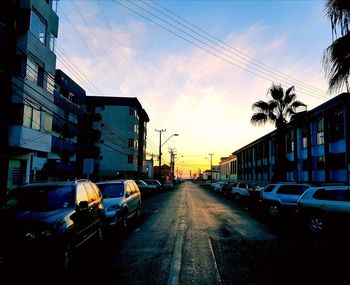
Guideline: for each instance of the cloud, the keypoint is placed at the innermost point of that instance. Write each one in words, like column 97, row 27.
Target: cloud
column 204, row 98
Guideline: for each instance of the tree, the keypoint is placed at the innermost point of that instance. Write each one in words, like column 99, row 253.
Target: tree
column 279, row 110
column 336, row 58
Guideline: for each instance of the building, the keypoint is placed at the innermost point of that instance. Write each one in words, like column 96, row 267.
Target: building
column 122, row 143
column 228, row 168
column 317, row 147
column 69, row 109
column 28, row 32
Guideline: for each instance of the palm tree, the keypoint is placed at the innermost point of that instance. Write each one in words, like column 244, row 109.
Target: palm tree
column 281, row 108
column 336, row 58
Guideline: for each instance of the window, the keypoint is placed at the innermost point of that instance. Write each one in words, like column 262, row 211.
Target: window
column 31, row 117
column 36, row 120
column 131, row 143
column 50, row 83
column 32, row 71
column 38, row 26
column 290, row 141
column 81, row 194
column 46, row 121
column 136, row 129
column 132, row 111
column 320, row 162
column 320, row 133
column 52, row 42
column 336, row 122
column 27, row 116
column 130, row 158
column 292, row 189
column 304, row 132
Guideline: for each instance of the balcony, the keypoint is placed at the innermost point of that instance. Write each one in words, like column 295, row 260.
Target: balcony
column 60, row 146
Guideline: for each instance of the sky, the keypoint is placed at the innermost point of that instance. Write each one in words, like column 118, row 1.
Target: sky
column 196, row 67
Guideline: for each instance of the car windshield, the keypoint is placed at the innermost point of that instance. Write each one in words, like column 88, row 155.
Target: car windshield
column 41, row 198
column 111, row 190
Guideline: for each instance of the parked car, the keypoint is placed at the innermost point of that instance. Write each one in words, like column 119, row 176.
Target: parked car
column 51, row 218
column 240, row 191
column 324, row 207
column 282, row 197
column 145, row 188
column 226, row 187
column 168, row 185
column 121, row 200
column 155, row 183
column 216, row 186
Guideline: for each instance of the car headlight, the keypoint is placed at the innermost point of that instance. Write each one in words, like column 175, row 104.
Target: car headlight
column 113, row 208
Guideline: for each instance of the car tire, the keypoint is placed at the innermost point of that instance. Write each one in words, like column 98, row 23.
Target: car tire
column 274, row 210
column 237, row 197
column 317, row 224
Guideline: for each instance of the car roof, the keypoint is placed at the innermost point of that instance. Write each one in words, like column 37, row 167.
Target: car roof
column 54, row 183
column 113, row 181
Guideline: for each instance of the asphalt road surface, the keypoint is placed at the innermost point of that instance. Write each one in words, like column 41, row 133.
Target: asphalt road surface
column 192, row 235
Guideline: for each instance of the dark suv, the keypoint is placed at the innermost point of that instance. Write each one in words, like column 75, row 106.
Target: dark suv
column 52, row 218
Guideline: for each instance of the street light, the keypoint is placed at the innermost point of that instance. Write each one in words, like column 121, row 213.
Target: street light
column 160, row 147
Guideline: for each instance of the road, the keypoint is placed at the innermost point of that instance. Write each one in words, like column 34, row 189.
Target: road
column 193, row 235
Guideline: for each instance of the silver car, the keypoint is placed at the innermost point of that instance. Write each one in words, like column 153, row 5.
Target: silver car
column 282, row 196
column 121, row 200
column 325, row 206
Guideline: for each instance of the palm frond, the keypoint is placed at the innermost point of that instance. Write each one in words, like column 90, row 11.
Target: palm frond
column 259, row 119
column 336, row 62
column 276, row 92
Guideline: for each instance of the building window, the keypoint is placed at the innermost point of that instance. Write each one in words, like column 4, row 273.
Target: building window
column 32, row 71
column 131, row 143
column 52, row 42
column 336, row 122
column 136, row 129
column 31, row 117
column 132, row 111
column 27, row 116
column 320, row 133
column 320, row 162
column 50, row 83
column 130, row 159
column 304, row 132
column 46, row 121
column 290, row 141
column 38, row 26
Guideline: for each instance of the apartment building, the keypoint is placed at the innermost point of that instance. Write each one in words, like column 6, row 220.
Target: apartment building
column 122, row 143
column 28, row 32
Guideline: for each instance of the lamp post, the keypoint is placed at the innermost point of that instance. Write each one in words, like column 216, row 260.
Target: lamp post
column 160, row 147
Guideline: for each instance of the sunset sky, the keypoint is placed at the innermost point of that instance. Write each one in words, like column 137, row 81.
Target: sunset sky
column 196, row 66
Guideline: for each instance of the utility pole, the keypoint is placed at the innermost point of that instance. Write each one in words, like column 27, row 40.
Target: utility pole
column 160, row 150
column 211, row 165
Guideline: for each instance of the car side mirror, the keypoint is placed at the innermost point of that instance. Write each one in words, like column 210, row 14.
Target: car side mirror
column 83, row 205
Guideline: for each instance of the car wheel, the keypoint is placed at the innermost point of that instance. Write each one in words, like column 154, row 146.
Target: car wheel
column 237, row 197
column 317, row 224
column 274, row 210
